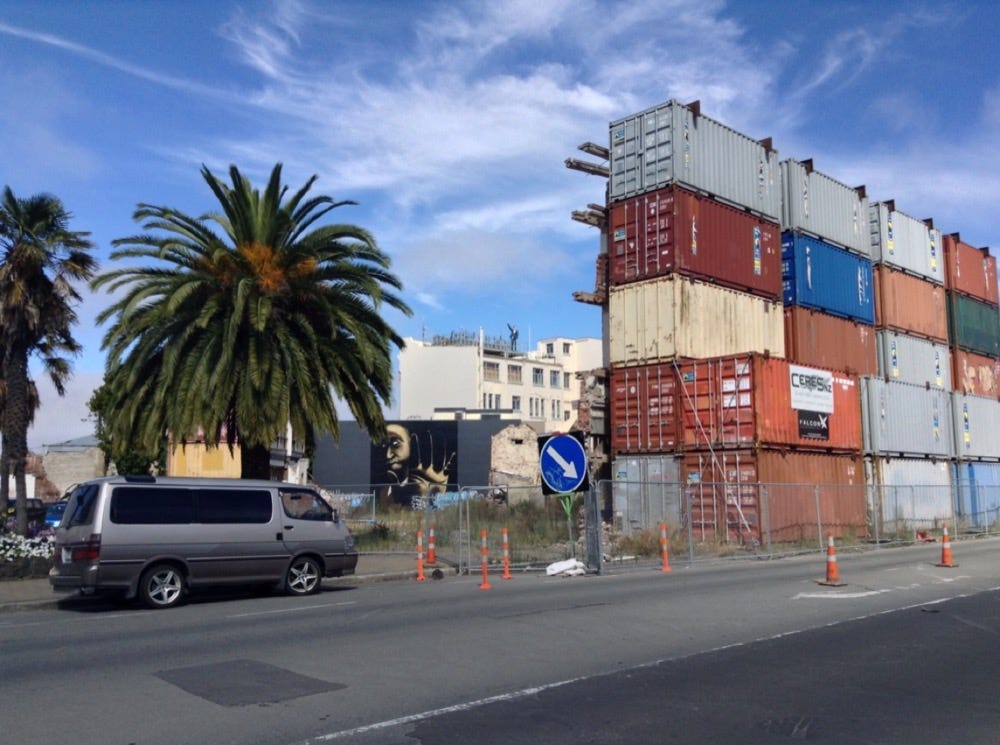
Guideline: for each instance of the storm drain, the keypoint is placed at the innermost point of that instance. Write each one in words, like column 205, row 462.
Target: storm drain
column 244, row 683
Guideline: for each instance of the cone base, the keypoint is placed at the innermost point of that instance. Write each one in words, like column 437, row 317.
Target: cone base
column 828, row 583
column 947, row 566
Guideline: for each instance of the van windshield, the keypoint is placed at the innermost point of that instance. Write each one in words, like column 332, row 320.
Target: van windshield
column 80, row 510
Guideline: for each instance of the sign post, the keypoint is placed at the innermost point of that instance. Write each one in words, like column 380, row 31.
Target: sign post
column 563, row 463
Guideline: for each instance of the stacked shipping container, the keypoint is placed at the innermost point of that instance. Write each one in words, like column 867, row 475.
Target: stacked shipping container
column 705, row 344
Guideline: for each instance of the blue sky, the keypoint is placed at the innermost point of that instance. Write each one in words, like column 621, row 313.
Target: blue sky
column 449, row 123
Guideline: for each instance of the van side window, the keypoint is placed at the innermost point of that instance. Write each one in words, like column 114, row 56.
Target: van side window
column 303, row 504
column 234, row 506
column 81, row 505
column 136, row 505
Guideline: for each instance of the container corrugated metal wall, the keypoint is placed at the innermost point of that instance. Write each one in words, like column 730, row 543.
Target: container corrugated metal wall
column 673, row 230
column 672, row 144
column 977, row 427
column 909, row 493
column 970, row 270
column 716, row 483
column 672, row 317
column 818, row 275
column 977, row 486
column 817, row 204
column 975, row 373
column 974, row 325
column 643, row 409
column 750, row 400
column 911, row 359
column 910, row 304
column 820, row 339
column 645, row 490
column 903, row 419
column 905, row 243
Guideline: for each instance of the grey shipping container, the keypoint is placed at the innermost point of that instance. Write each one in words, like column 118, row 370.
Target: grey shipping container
column 673, row 144
column 675, row 317
column 646, row 491
column 906, row 243
column 823, row 207
column 907, row 494
column 973, row 325
column 977, row 489
column 977, row 427
column 910, row 359
column 904, row 419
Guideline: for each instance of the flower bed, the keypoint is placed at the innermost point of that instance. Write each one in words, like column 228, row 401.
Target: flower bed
column 25, row 558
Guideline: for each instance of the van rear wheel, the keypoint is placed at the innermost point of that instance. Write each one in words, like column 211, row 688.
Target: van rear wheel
column 161, row 586
column 303, row 576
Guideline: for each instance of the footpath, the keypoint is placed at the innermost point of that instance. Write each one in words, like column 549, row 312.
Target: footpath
column 34, row 594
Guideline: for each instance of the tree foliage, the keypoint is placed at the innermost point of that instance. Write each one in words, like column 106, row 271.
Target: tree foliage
column 238, row 322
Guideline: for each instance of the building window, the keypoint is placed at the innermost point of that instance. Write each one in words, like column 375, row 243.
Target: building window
column 554, row 378
column 514, row 374
column 537, row 376
column 565, row 416
column 496, row 402
column 566, row 347
column 556, row 409
column 491, row 371
column 566, row 380
column 550, row 348
column 515, row 403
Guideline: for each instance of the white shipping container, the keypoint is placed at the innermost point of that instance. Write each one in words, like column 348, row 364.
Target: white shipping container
column 904, row 419
column 976, row 426
column 823, row 207
column 907, row 494
column 674, row 144
column 905, row 242
column 911, row 359
column 646, row 491
column 675, row 317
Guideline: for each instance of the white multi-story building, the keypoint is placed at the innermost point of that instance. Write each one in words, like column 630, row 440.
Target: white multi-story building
column 470, row 375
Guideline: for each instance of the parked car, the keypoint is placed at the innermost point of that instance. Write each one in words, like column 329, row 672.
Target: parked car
column 54, row 513
column 36, row 509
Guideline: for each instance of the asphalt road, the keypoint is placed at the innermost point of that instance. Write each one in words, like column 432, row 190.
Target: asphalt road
column 727, row 653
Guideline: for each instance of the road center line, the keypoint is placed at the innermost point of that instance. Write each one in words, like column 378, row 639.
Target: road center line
column 291, row 610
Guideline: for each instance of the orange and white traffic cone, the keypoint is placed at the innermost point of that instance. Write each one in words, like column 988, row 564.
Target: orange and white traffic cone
column 664, row 553
column 506, row 556
column 420, row 556
column 832, row 570
column 485, row 584
column 946, row 560
column 431, row 548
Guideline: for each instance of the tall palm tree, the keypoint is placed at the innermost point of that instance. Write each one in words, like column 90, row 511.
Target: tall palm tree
column 250, row 319
column 40, row 259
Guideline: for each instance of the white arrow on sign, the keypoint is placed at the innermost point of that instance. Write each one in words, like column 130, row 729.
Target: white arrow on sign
column 569, row 468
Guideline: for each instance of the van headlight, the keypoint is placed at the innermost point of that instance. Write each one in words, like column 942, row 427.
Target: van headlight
column 349, row 542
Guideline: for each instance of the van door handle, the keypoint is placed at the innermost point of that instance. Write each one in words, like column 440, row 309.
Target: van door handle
column 289, row 527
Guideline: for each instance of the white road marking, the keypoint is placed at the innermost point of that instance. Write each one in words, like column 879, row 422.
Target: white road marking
column 290, row 610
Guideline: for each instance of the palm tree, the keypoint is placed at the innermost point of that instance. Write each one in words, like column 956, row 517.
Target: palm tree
column 251, row 319
column 40, row 258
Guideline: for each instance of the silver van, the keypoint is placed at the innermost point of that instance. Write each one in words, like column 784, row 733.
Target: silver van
column 155, row 538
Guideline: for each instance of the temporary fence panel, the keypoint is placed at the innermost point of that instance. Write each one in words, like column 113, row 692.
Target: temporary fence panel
column 674, row 144
column 973, row 325
column 645, row 492
column 643, row 409
column 724, row 496
column 908, row 494
column 911, row 359
column 817, row 204
column 672, row 317
column 673, row 230
column 910, row 304
column 977, row 488
column 903, row 419
column 975, row 373
column 813, row 337
column 818, row 275
column 746, row 400
column 976, row 426
column 905, row 243
column 970, row 270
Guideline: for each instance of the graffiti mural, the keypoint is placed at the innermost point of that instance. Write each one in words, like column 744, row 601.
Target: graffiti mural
column 416, row 461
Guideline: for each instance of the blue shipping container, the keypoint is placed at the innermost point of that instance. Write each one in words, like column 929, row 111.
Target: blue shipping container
column 978, row 492
column 818, row 275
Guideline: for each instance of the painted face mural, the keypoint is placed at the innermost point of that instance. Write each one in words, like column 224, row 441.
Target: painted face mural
column 414, row 462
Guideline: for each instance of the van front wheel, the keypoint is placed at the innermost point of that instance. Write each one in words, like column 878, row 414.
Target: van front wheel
column 303, row 576
column 161, row 586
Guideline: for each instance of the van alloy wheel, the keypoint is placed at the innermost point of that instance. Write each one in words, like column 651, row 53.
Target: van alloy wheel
column 161, row 586
column 303, row 576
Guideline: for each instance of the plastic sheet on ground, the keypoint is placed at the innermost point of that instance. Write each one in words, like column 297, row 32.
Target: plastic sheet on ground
column 567, row 568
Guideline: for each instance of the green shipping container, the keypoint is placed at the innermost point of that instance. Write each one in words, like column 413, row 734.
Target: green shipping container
column 973, row 325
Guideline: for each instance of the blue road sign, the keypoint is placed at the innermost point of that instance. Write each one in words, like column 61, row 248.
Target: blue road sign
column 563, row 462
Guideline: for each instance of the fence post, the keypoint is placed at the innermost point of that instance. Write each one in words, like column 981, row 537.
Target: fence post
column 819, row 516
column 766, row 513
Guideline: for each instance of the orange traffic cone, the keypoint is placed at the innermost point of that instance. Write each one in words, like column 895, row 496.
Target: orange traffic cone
column 420, row 556
column 946, row 560
column 665, row 566
column 832, row 570
column 431, row 547
column 506, row 556
column 485, row 584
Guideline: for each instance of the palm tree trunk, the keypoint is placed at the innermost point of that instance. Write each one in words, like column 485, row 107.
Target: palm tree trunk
column 15, row 431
